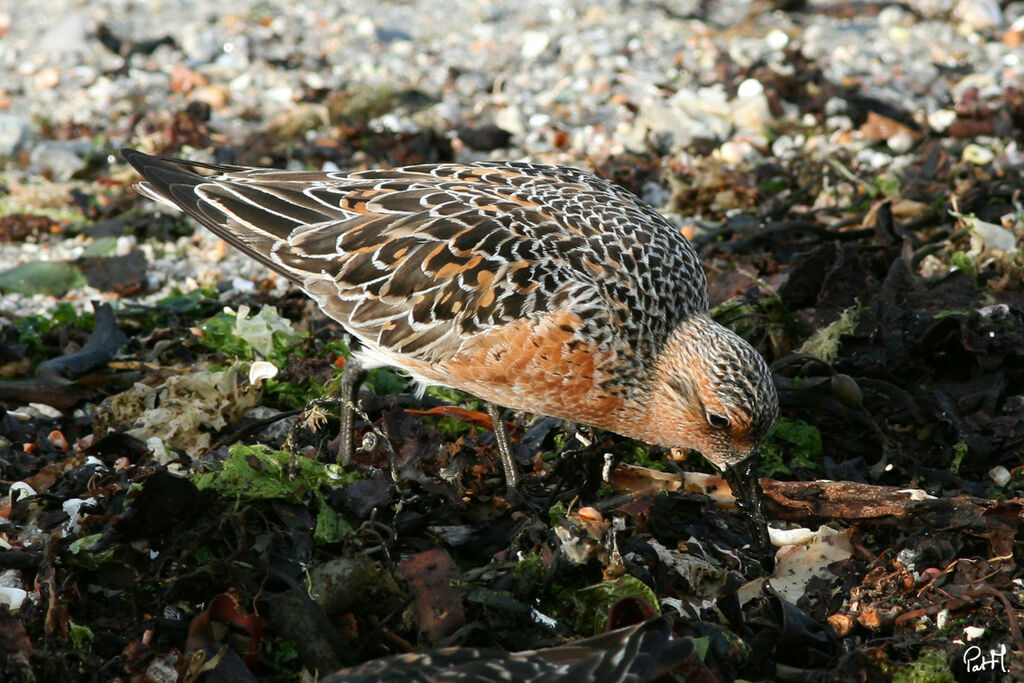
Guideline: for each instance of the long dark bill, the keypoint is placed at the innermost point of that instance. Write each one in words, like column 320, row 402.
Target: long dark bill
column 746, row 486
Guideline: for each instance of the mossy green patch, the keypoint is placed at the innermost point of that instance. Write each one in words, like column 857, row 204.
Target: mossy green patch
column 84, row 552
column 193, row 302
column 792, row 444
column 963, row 261
column 219, row 335
column 239, row 336
column 641, row 457
column 295, row 394
column 959, row 453
column 259, row 473
column 931, row 667
column 81, row 636
column 824, row 343
column 593, row 603
column 529, row 573
column 32, row 328
column 556, row 512
column 384, row 382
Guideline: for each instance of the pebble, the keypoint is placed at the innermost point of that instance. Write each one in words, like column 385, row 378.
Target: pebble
column 534, row 44
column 979, row 15
column 215, row 95
column 900, row 142
column 202, row 46
column 15, row 133
column 941, row 119
column 47, row 78
column 67, row 36
column 185, row 80
column 45, row 411
column 999, row 475
column 973, row 632
column 56, row 158
column 13, row 598
column 985, row 235
column 976, row 154
column 777, row 39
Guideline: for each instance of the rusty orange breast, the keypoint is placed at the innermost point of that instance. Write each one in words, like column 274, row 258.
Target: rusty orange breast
column 537, row 365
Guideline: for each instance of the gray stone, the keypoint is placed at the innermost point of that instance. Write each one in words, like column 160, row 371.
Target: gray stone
column 70, row 35
column 15, row 134
column 60, row 159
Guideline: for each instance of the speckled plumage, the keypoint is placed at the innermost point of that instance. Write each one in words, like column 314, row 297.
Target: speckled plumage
column 643, row 652
column 540, row 288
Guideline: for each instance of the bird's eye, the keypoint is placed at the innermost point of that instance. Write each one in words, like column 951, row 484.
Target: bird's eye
column 718, row 421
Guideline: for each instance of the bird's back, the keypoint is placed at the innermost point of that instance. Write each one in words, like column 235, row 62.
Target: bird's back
column 418, row 260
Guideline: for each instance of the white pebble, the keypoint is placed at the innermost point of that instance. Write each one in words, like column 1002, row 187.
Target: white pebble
column 900, row 142
column 14, row 598
column 999, row 475
column 534, row 44
column 750, row 88
column 776, row 39
column 973, row 632
column 976, row 154
column 941, row 119
column 261, row 370
column 979, row 15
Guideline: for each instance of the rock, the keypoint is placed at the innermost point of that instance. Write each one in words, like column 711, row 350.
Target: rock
column 777, row 39
column 70, row 35
column 56, row 158
column 941, row 119
column 1014, row 36
column 976, row 154
column 125, row 275
column 900, row 142
column 511, row 118
column 703, row 114
column 391, row 34
column 15, row 134
column 534, row 44
column 215, row 95
column 361, row 104
column 985, row 235
column 298, row 120
column 47, row 78
column 880, row 127
column 750, row 112
column 52, row 278
column 484, row 138
column 979, row 15
column 185, row 80
column 202, row 47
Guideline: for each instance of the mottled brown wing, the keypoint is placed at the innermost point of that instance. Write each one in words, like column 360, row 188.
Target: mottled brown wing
column 412, row 260
column 418, row 270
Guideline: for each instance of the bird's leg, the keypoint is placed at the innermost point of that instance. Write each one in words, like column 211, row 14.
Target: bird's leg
column 746, row 486
column 508, row 463
column 352, row 376
column 571, row 430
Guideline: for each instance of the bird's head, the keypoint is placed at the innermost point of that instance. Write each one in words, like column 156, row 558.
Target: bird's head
column 713, row 393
